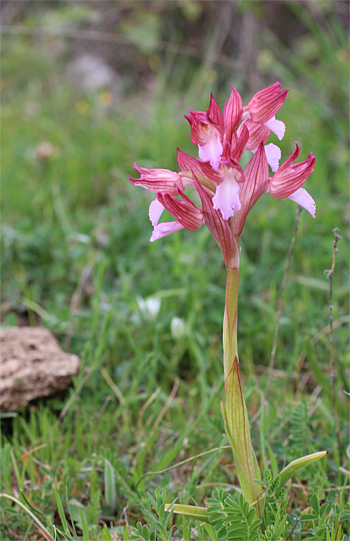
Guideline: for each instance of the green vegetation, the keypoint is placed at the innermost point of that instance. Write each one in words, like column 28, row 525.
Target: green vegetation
column 73, row 224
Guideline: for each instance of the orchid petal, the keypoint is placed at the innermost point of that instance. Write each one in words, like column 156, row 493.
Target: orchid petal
column 196, row 120
column 155, row 211
column 256, row 183
column 303, row 198
column 215, row 116
column 238, row 146
column 183, row 210
column 226, row 198
column 157, row 180
column 188, row 163
column 211, row 151
column 277, row 126
column 291, row 176
column 233, row 112
column 258, row 133
column 273, row 156
column 266, row 103
column 164, row 229
column 289, row 161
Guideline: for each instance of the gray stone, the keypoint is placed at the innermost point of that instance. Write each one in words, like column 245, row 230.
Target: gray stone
column 32, row 365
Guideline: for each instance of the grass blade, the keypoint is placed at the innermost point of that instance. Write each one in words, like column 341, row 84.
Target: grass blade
column 86, row 535
column 70, row 513
column 22, row 495
column 66, row 535
column 61, row 510
column 36, row 520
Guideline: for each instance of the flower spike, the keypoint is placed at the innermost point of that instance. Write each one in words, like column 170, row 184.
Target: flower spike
column 227, row 194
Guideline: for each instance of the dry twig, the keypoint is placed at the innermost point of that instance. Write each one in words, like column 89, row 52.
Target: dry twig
column 330, row 274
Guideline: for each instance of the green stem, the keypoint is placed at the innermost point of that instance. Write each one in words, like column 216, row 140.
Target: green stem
column 230, row 320
column 235, row 412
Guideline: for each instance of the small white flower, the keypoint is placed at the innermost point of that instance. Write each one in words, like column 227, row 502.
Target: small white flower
column 149, row 308
column 177, row 328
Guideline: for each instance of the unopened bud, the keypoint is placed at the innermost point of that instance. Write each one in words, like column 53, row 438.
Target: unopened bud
column 149, row 308
column 177, row 328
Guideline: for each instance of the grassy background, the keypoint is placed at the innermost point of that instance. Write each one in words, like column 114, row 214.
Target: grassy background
column 75, row 214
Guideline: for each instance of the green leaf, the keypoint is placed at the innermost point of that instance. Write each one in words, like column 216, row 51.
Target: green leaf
column 168, row 457
column 186, row 533
column 125, row 536
column 215, row 517
column 237, row 429
column 280, row 528
column 145, row 533
column 210, row 531
column 299, row 464
column 315, row 504
column 86, row 535
column 308, row 517
column 197, row 513
column 106, row 536
column 323, row 508
column 61, row 510
column 273, row 460
column 110, row 490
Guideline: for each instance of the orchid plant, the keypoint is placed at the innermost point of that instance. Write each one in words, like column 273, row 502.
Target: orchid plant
column 227, row 194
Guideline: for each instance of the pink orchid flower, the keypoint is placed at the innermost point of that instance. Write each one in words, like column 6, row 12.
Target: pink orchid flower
column 228, row 192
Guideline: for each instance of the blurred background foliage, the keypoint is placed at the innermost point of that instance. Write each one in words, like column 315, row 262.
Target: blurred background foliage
column 90, row 87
